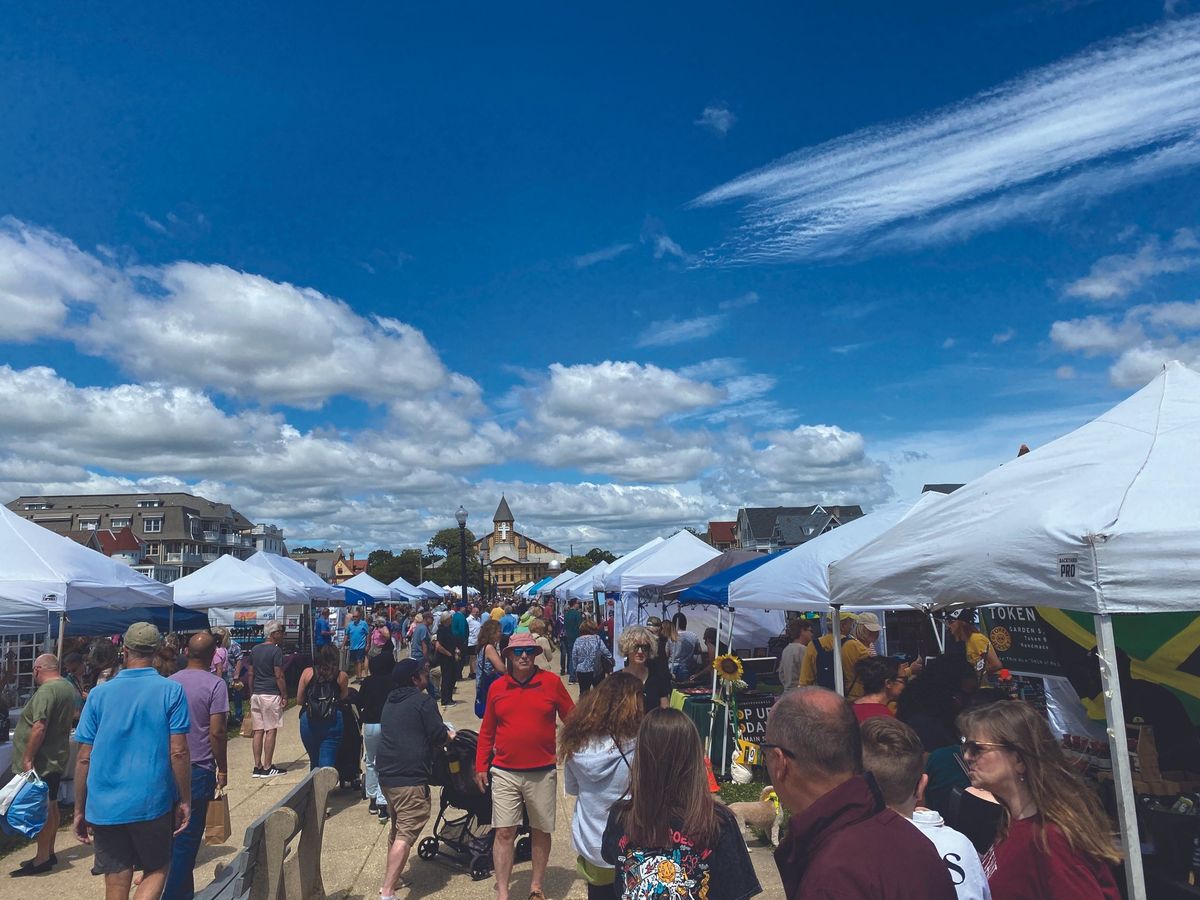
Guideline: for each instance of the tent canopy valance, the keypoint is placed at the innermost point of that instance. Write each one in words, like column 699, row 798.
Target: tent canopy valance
column 230, row 583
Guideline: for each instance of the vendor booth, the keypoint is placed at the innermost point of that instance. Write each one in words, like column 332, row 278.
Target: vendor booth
column 1104, row 521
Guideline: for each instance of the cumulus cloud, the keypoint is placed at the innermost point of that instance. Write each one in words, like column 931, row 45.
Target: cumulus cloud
column 1003, row 337
column 1141, row 339
column 621, row 393
column 1115, row 277
column 1117, row 114
column 668, row 332
column 716, row 118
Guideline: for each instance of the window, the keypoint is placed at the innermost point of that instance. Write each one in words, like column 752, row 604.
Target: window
column 152, row 548
column 88, row 524
column 37, row 506
column 152, row 525
column 149, row 504
column 119, row 522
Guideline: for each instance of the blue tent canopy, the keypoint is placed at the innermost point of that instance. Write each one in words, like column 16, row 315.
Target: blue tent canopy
column 96, row 621
column 532, row 592
column 714, row 590
column 357, row 598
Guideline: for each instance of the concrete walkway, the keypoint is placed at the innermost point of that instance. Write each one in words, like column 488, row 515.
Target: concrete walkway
column 355, row 844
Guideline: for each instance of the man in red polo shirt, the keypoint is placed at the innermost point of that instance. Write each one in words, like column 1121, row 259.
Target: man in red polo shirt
column 517, row 749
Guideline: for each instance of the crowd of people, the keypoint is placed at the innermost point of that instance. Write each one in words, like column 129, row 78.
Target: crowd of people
column 920, row 782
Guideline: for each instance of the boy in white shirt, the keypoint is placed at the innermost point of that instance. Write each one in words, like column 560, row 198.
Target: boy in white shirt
column 893, row 754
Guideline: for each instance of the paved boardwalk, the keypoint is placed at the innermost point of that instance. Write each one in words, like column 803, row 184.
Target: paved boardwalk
column 355, row 843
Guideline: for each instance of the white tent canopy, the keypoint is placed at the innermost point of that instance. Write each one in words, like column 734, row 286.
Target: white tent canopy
column 610, row 578
column 580, row 587
column 1104, row 520
column 431, row 589
column 799, row 579
column 457, row 591
column 283, row 567
column 230, row 583
column 677, row 555
column 42, row 572
column 409, row 590
column 373, row 588
column 561, row 579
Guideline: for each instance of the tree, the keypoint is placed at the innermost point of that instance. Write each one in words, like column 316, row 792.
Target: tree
column 578, row 564
column 301, row 551
column 447, row 545
column 596, row 555
column 446, row 542
column 384, row 565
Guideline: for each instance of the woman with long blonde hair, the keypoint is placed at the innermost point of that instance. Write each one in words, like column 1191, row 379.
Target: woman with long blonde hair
column 671, row 838
column 1053, row 840
column 596, row 748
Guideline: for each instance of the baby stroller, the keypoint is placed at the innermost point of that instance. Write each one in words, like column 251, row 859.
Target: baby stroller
column 465, row 812
column 349, row 753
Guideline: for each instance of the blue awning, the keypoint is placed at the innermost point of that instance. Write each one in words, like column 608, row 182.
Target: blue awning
column 97, row 621
column 357, row 598
column 714, row 590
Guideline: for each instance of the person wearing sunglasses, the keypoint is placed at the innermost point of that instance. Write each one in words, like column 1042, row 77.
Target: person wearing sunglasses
column 639, row 645
column 1054, row 838
column 516, row 751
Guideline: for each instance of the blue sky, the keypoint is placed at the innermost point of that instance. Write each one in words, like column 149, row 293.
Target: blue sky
column 635, row 267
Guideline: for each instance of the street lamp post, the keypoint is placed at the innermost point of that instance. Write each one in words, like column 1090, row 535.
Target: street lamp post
column 461, row 516
column 483, row 578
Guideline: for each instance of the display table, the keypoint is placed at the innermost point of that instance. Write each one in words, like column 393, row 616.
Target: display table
column 66, row 790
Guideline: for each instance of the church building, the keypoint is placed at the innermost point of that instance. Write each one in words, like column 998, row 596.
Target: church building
column 511, row 558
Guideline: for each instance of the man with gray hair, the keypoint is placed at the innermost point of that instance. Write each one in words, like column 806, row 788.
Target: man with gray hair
column 839, row 819
column 133, row 743
column 268, row 696
column 41, row 743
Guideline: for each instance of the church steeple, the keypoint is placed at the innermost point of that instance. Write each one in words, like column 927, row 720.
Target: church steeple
column 503, row 513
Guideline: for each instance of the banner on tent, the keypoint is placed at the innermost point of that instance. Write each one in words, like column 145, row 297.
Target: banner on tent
column 1020, row 639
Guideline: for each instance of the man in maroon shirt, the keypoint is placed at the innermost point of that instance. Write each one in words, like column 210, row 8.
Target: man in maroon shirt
column 517, row 749
column 843, row 842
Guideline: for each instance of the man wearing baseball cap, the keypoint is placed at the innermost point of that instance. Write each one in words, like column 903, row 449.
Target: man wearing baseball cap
column 980, row 653
column 816, row 667
column 517, row 748
column 133, row 742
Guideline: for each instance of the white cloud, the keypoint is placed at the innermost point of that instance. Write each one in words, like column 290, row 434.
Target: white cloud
column 1140, row 340
column 41, row 274
column 747, row 299
column 717, row 118
column 1128, row 109
column 209, row 326
column 1003, row 337
column 620, row 394
column 1065, row 373
column 153, row 224
column 948, row 343
column 669, row 332
column 604, row 254
column 1115, row 277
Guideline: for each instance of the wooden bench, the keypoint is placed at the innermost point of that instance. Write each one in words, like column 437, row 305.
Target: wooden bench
column 265, row 869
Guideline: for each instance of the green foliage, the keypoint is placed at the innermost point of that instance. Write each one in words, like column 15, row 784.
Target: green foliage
column 741, row 793
column 578, row 564
column 596, row 555
column 304, row 551
column 447, row 542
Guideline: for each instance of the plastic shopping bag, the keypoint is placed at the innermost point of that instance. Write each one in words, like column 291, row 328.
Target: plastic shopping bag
column 26, row 814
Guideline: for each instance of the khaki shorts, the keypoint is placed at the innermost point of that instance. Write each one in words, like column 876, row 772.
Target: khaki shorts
column 534, row 792
column 409, row 808
column 266, row 712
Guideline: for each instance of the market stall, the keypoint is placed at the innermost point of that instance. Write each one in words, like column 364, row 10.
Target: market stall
column 1103, row 521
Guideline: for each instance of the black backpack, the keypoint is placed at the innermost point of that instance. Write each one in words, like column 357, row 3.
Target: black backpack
column 321, row 699
column 825, row 662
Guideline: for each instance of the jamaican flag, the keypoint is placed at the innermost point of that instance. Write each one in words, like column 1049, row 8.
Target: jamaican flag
column 1163, row 648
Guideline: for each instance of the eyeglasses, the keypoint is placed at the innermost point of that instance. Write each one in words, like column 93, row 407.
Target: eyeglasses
column 524, row 651
column 784, row 750
column 642, row 648
column 972, row 749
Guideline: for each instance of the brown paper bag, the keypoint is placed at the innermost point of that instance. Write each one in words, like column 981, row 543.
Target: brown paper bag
column 247, row 727
column 217, row 827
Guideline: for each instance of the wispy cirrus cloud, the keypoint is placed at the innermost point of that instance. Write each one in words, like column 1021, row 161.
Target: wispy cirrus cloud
column 604, row 254
column 1115, row 115
column 668, row 332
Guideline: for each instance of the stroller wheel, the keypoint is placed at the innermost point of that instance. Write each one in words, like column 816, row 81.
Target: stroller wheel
column 481, row 867
column 524, row 848
column 428, row 848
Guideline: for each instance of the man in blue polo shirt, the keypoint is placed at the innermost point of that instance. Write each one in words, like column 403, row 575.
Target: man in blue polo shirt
column 356, row 640
column 322, row 632
column 133, row 743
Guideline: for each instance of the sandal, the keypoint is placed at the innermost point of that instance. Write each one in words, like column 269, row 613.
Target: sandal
column 536, row 895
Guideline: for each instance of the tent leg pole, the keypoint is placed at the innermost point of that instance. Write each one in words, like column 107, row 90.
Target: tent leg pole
column 62, row 633
column 171, row 619
column 835, row 625
column 725, row 733
column 712, row 708
column 1114, row 712
column 937, row 635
